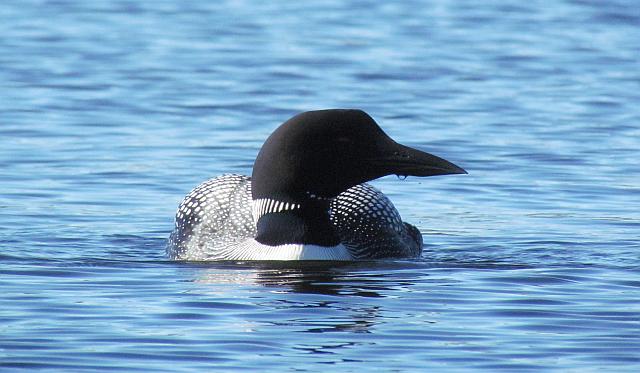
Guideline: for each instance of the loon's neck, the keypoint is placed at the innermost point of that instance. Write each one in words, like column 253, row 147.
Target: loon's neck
column 304, row 222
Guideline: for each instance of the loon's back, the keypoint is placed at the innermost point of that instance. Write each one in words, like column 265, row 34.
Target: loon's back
column 216, row 221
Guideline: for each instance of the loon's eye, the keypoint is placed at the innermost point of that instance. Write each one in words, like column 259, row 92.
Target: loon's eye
column 343, row 140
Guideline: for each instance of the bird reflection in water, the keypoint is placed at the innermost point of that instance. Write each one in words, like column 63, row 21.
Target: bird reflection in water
column 290, row 281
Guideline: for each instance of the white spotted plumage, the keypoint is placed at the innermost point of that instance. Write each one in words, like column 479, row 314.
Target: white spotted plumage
column 216, row 221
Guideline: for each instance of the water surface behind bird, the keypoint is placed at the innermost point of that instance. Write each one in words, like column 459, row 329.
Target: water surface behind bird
column 110, row 112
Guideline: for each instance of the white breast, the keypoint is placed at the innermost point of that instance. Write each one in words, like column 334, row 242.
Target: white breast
column 253, row 250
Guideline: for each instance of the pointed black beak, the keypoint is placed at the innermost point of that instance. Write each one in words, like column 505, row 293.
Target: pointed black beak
column 405, row 161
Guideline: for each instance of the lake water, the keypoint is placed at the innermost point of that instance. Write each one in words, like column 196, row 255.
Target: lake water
column 111, row 111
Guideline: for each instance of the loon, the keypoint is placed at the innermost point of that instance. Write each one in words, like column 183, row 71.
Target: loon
column 307, row 197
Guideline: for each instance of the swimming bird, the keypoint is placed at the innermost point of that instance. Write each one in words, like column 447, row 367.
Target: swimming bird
column 307, row 197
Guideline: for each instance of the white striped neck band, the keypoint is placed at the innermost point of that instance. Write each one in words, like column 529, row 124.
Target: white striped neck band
column 265, row 206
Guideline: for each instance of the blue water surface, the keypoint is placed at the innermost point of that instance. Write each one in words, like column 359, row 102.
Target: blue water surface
column 111, row 111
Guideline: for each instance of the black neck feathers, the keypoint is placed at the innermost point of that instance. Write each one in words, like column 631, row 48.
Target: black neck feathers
column 309, row 224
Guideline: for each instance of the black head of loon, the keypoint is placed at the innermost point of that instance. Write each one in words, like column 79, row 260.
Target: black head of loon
column 316, row 155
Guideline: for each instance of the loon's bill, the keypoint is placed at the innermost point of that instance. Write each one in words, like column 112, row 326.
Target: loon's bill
column 307, row 198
